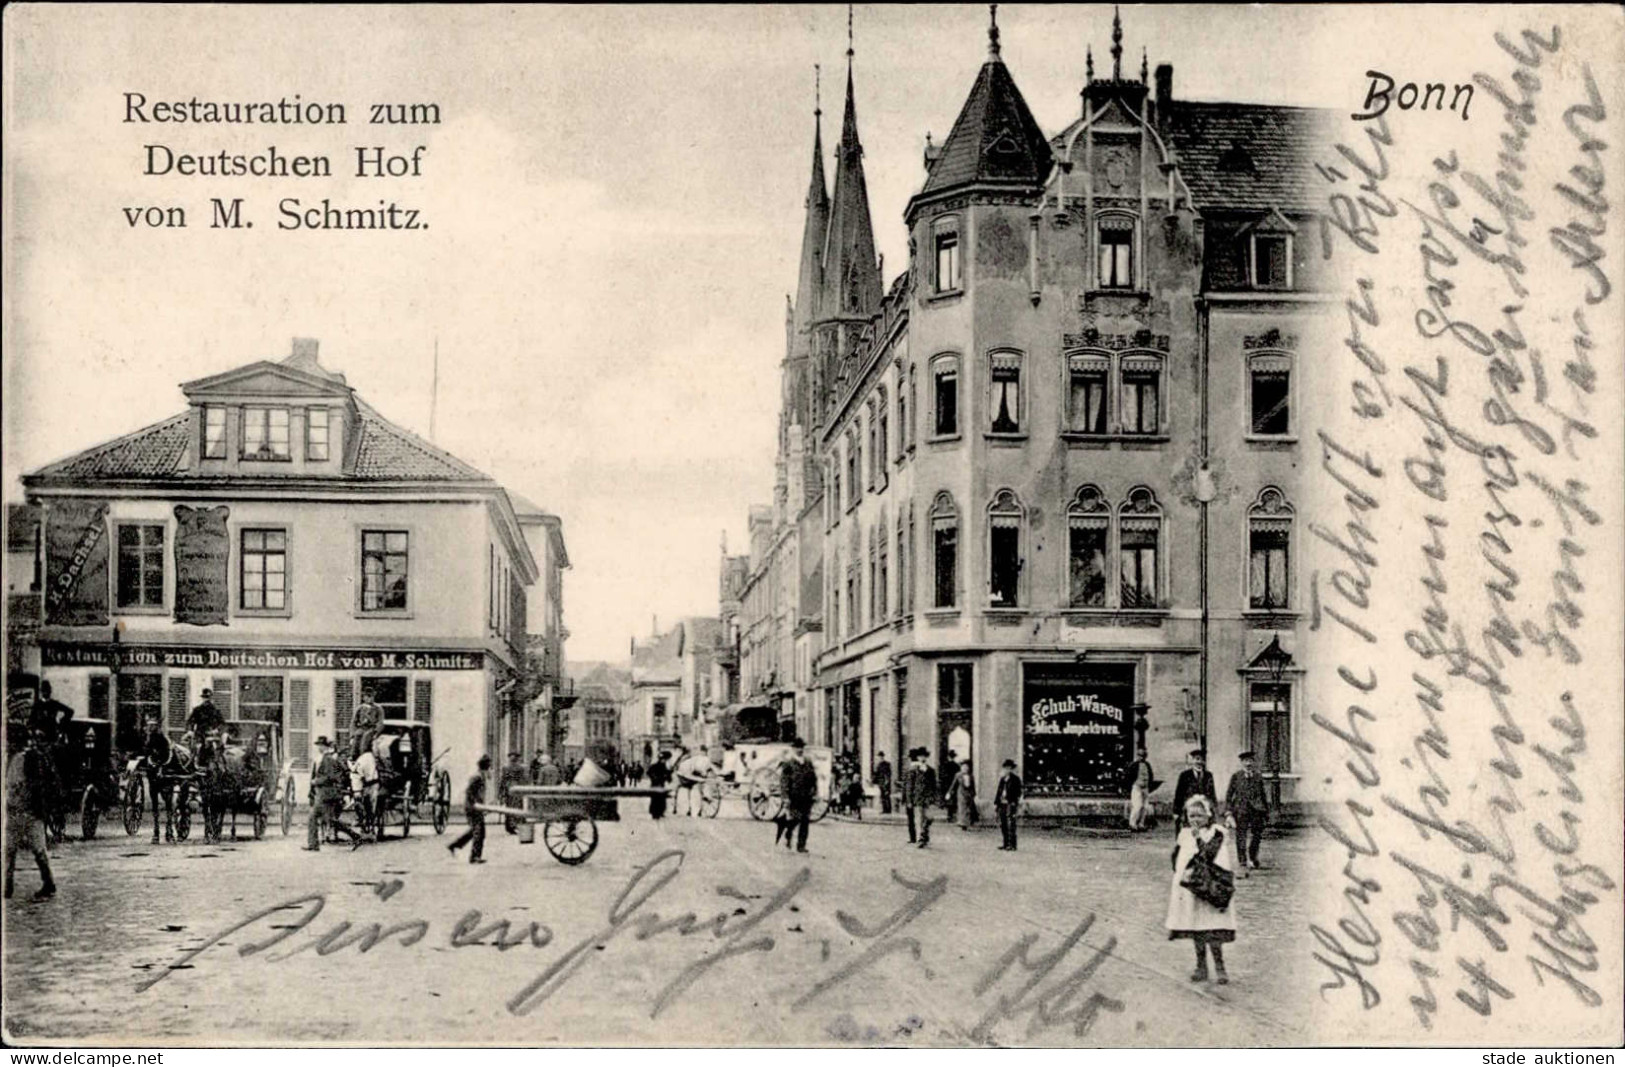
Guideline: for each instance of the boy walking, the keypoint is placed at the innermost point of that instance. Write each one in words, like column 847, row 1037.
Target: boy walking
column 473, row 797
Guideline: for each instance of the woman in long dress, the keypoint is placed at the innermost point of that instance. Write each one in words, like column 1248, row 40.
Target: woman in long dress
column 964, row 790
column 1189, row 916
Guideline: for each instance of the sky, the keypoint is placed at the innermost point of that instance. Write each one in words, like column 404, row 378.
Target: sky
column 614, row 199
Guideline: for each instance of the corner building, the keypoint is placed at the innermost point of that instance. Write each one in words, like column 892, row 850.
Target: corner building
column 283, row 544
column 1058, row 464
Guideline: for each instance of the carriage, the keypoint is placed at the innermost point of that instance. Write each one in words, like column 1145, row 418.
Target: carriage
column 410, row 787
column 246, row 773
column 86, row 780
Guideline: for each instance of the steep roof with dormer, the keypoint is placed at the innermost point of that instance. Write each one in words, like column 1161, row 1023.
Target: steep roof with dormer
column 995, row 140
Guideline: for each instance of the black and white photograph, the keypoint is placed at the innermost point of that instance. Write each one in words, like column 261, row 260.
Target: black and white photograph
column 825, row 526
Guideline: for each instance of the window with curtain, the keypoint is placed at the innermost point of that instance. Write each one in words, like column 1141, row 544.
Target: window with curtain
column 945, row 551
column 1088, row 521
column 1005, row 405
column 140, row 565
column 1115, row 238
column 1269, row 545
column 948, row 277
column 265, row 433
column 1087, row 378
column 1269, row 381
column 1138, row 541
column 1142, row 388
column 945, row 379
column 214, row 432
column 1004, row 551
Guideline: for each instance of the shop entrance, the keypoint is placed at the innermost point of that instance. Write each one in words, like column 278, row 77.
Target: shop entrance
column 1077, row 728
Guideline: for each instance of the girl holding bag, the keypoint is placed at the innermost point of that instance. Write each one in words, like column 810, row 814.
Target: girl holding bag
column 1203, row 883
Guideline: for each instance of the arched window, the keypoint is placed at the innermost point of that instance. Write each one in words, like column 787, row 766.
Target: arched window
column 834, row 495
column 1089, row 527
column 906, row 411
column 1004, row 392
column 1004, row 563
column 1269, row 551
column 882, row 586
column 874, row 449
column 904, row 603
column 945, row 395
column 854, row 479
column 874, row 574
column 1139, row 545
column 882, row 417
column 1269, row 394
column 945, row 551
column 1115, row 242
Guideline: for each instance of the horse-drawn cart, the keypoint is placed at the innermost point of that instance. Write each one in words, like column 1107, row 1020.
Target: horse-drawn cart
column 569, row 815
column 409, row 787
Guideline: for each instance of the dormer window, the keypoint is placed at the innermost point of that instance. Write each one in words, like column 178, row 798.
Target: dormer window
column 316, row 435
column 265, row 433
column 1272, row 261
column 214, row 432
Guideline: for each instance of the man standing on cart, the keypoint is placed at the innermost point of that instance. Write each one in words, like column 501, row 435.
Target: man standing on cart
column 205, row 719
column 368, row 718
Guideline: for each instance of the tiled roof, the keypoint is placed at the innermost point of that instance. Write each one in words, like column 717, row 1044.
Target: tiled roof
column 384, row 452
column 152, row 452
column 388, row 452
column 995, row 138
column 1249, row 156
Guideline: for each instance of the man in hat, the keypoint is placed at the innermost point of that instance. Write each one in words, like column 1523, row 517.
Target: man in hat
column 1007, row 801
column 882, row 780
column 329, row 782
column 1247, row 808
column 513, row 774
column 205, row 719
column 49, row 716
column 799, row 784
column 368, row 718
column 1195, row 780
column 473, row 797
column 919, row 790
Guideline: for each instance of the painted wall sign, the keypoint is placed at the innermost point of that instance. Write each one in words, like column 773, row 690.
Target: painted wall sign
column 202, row 565
column 1077, row 728
column 76, row 563
column 58, row 654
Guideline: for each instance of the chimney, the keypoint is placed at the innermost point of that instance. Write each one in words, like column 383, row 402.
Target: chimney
column 304, row 352
column 1165, row 88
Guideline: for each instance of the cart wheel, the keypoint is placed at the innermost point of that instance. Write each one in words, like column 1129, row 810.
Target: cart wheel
column 183, row 819
column 287, row 807
column 260, row 821
column 571, row 839
column 710, row 798
column 132, row 805
column 406, row 818
column 439, row 811
column 820, row 809
column 90, row 814
column 442, row 800
column 765, row 806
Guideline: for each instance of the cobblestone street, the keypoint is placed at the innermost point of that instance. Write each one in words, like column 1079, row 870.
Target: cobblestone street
column 143, row 941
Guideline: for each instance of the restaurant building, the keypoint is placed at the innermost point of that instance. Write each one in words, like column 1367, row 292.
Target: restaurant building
column 1055, row 463
column 284, row 545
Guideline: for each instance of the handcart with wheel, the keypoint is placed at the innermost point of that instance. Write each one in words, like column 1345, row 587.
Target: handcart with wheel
column 569, row 815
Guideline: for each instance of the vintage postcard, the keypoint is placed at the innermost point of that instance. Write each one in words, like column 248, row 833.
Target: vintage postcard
column 837, row 526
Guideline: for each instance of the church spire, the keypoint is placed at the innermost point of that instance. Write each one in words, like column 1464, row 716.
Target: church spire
column 810, row 277
column 852, row 284
column 1117, row 45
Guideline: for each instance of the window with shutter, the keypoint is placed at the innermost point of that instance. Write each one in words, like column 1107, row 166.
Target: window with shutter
column 178, row 706
column 298, row 748
column 343, row 712
column 101, row 689
column 422, row 700
column 223, row 691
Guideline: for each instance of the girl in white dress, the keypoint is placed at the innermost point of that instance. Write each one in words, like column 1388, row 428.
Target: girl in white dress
column 1188, row 915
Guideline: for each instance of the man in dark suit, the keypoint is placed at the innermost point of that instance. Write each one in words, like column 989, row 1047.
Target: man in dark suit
column 329, row 783
column 800, row 788
column 1248, row 808
column 882, row 780
column 1007, row 801
column 156, row 751
column 1195, row 780
column 919, row 791
column 473, row 797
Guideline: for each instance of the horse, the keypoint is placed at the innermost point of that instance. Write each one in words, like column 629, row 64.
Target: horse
column 233, row 781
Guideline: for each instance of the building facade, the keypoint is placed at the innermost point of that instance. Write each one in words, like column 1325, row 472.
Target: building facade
column 284, row 545
column 1057, row 462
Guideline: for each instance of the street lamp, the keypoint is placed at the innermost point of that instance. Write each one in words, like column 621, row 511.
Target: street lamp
column 1275, row 660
